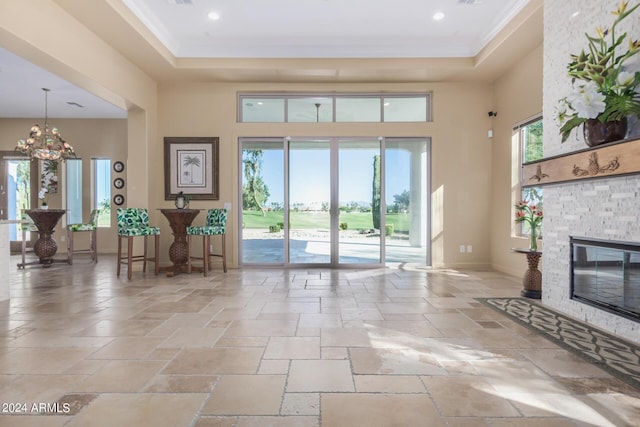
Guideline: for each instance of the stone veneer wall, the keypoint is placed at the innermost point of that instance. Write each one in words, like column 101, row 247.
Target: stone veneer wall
column 600, row 208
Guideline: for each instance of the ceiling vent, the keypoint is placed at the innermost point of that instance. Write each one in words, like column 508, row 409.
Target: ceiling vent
column 180, row 1
column 470, row 1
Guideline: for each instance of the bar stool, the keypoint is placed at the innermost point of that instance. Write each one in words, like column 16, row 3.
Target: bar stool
column 134, row 222
column 25, row 227
column 92, row 228
column 216, row 225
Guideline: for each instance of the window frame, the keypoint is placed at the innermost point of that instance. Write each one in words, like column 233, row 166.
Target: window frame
column 524, row 193
column 333, row 96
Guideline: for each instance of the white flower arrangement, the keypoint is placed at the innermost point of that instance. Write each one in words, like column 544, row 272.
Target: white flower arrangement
column 603, row 89
column 42, row 195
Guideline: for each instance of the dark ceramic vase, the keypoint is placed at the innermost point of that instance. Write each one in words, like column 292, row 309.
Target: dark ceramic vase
column 596, row 132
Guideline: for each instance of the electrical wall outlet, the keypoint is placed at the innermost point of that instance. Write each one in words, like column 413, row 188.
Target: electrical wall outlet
column 227, row 206
column 469, row 249
column 462, row 248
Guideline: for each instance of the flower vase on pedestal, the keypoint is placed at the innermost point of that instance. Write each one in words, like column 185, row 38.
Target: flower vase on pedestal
column 532, row 216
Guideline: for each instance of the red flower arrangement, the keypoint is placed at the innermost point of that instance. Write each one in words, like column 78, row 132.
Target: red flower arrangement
column 532, row 215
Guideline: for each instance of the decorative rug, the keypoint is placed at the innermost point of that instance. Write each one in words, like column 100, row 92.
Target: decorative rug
column 615, row 355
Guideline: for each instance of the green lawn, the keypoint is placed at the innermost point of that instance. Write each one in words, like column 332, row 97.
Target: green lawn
column 354, row 220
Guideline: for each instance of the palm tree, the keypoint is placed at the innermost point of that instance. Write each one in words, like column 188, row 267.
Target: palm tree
column 376, row 193
column 255, row 186
column 191, row 161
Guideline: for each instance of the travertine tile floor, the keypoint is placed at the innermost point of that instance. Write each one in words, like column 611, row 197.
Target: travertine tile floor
column 273, row 347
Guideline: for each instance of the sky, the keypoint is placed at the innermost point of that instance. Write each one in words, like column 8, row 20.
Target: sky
column 310, row 169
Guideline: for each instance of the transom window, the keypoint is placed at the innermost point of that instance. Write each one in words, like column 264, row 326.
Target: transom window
column 310, row 108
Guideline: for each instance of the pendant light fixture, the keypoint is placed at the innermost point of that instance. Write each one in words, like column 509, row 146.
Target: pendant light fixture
column 45, row 144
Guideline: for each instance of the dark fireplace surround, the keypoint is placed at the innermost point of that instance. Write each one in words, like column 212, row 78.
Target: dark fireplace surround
column 606, row 274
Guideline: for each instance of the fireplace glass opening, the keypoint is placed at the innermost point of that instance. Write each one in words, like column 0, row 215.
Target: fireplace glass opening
column 606, row 274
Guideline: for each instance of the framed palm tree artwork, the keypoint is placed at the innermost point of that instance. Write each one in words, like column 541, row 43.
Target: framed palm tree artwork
column 191, row 166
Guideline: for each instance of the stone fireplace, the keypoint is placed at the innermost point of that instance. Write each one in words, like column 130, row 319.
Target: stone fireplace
column 602, row 209
column 606, row 208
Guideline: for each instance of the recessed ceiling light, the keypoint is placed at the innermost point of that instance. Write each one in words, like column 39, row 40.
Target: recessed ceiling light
column 438, row 16
column 213, row 16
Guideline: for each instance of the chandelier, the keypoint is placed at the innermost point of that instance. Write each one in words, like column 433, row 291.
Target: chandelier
column 45, row 144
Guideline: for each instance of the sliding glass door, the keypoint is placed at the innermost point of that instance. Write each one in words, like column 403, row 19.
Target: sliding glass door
column 360, row 217
column 333, row 201
column 262, row 201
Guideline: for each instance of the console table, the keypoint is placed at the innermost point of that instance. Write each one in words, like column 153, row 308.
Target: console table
column 179, row 220
column 45, row 247
column 532, row 280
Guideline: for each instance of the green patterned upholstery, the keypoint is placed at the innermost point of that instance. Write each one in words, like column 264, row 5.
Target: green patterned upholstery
column 90, row 226
column 135, row 222
column 216, row 223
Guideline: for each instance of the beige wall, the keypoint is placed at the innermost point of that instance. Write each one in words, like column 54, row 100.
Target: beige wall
column 461, row 152
column 90, row 138
column 518, row 96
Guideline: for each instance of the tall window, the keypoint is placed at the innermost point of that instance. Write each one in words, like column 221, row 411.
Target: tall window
column 102, row 190
column 74, row 191
column 19, row 192
column 529, row 135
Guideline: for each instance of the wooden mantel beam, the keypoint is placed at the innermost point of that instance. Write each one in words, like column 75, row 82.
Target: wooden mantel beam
column 613, row 159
